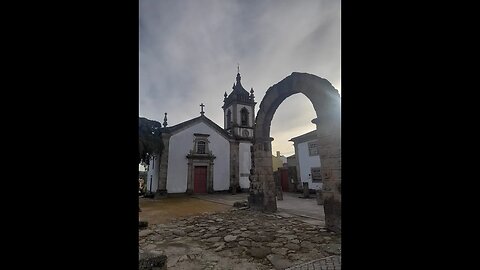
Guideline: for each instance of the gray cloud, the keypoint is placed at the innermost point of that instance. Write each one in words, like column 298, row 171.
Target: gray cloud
column 189, row 50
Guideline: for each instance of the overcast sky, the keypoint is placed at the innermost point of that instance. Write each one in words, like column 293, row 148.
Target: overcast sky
column 189, row 50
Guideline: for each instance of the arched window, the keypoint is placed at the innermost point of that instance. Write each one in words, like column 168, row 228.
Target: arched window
column 229, row 119
column 244, row 116
column 201, row 147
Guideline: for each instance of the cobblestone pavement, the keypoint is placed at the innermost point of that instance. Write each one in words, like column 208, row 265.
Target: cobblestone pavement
column 238, row 239
column 327, row 263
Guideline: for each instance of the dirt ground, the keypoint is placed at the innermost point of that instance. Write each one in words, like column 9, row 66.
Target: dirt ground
column 164, row 210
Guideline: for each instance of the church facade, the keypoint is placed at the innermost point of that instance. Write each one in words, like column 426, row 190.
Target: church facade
column 199, row 156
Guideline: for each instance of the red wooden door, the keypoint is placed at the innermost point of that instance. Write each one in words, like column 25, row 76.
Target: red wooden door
column 200, row 179
column 284, row 179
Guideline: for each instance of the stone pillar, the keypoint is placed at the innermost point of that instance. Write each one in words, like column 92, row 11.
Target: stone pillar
column 292, row 181
column 278, row 184
column 262, row 184
column 306, row 190
column 234, row 166
column 210, row 178
column 190, row 177
column 297, row 170
column 162, row 176
column 319, row 197
column 279, row 193
column 330, row 159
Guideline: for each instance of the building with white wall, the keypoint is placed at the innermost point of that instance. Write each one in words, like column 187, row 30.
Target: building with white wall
column 201, row 157
column 308, row 160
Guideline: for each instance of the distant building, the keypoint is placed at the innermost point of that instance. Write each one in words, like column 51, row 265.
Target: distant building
column 278, row 161
column 307, row 157
column 292, row 161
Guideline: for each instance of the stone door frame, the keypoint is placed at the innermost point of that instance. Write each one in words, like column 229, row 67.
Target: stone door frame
column 200, row 160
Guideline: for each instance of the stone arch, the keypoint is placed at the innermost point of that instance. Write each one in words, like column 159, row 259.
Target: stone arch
column 326, row 102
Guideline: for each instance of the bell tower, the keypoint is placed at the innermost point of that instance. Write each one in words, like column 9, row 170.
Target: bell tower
column 239, row 110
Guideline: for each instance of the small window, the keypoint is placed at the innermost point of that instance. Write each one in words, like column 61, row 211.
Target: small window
column 244, row 116
column 316, row 174
column 201, row 147
column 313, row 148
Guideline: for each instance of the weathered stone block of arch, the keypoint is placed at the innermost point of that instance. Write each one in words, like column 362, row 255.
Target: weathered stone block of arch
column 326, row 102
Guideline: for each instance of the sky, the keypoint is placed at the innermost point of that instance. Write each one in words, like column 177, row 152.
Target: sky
column 190, row 49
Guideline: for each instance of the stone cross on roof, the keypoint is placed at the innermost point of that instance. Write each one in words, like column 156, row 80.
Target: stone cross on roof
column 202, row 112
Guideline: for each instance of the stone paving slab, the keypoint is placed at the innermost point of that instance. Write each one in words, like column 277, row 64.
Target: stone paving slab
column 327, row 263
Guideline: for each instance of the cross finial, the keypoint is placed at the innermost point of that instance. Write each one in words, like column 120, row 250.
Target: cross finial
column 202, row 112
column 238, row 68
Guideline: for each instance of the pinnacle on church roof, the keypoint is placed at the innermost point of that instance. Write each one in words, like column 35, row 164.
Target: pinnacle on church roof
column 165, row 121
column 238, row 88
column 239, row 93
column 238, row 78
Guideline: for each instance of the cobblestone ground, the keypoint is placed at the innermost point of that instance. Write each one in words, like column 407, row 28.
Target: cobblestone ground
column 238, row 239
column 327, row 263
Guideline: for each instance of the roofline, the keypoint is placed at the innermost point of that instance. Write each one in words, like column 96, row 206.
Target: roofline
column 181, row 126
column 304, row 137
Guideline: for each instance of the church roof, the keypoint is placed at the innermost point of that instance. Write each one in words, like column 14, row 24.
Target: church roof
column 193, row 121
column 239, row 93
column 238, row 88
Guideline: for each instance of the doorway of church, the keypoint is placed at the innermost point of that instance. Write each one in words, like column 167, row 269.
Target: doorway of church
column 200, row 179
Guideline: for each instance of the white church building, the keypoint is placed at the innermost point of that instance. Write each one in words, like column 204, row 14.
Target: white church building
column 199, row 156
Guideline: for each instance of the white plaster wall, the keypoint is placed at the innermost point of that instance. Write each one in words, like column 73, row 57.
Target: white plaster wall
column 180, row 145
column 152, row 174
column 239, row 116
column 306, row 162
column 245, row 163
